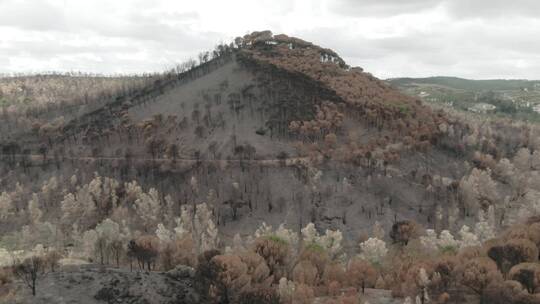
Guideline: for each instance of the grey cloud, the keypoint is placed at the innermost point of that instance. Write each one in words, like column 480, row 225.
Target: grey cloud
column 361, row 8
column 32, row 15
column 456, row 8
column 146, row 28
column 50, row 48
column 493, row 8
column 475, row 50
column 479, row 39
column 155, row 29
column 361, row 47
column 105, row 43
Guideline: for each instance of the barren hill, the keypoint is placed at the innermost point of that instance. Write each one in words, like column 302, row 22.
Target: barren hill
column 279, row 128
column 267, row 164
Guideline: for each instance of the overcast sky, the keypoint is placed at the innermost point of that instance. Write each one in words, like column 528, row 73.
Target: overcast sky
column 390, row 38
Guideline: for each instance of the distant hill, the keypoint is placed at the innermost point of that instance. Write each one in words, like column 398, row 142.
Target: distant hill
column 514, row 99
column 468, row 84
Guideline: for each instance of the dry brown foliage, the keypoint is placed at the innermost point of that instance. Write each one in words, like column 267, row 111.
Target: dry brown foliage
column 504, row 292
column 178, row 252
column 318, row 258
column 478, row 273
column 361, row 274
column 51, row 259
column 402, row 232
column 303, row 294
column 528, row 274
column 145, row 250
column 5, row 276
column 305, row 273
column 513, row 252
column 445, row 267
column 471, row 252
column 334, row 272
column 275, row 253
column 237, row 276
column 365, row 96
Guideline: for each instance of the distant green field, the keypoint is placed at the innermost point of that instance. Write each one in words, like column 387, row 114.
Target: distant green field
column 469, row 85
column 516, row 99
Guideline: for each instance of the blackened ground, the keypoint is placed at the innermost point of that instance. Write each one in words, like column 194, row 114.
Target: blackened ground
column 92, row 284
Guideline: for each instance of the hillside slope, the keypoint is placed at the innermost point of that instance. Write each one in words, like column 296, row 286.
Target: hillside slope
column 281, row 130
